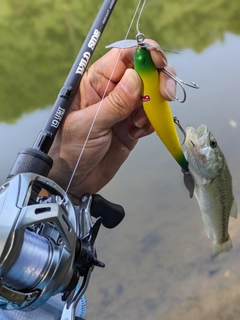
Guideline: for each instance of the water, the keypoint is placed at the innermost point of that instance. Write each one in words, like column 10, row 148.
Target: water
column 160, row 255
column 157, row 260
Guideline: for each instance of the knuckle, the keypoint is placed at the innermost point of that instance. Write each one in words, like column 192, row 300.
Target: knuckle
column 118, row 102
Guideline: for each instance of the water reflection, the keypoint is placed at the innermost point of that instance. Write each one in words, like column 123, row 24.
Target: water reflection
column 158, row 260
column 19, row 135
column 40, row 40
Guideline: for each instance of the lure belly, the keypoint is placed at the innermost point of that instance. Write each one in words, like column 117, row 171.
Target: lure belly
column 156, row 108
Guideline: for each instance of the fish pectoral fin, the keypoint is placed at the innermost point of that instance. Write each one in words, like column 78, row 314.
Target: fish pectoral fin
column 221, row 247
column 234, row 210
column 188, row 181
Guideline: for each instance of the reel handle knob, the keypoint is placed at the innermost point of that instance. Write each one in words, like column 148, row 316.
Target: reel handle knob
column 111, row 213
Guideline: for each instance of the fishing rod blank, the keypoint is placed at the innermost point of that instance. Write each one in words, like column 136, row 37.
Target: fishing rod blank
column 36, row 159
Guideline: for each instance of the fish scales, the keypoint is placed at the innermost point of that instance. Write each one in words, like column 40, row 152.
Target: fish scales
column 213, row 185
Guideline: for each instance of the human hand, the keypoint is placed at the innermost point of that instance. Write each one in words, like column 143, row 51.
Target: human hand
column 119, row 123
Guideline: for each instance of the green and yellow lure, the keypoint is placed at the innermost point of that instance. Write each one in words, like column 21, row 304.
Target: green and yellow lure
column 158, row 109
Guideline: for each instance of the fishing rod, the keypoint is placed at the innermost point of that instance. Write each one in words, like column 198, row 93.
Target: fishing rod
column 35, row 159
column 63, row 234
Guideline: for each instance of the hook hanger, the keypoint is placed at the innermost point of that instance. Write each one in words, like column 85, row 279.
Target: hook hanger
column 181, row 83
column 140, row 37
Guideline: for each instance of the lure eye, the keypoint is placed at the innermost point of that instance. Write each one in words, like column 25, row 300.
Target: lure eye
column 143, row 60
column 213, row 143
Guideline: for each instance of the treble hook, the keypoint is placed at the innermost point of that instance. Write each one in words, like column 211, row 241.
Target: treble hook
column 177, row 122
column 181, row 83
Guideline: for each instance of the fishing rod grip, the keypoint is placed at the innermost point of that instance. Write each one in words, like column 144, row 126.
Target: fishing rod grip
column 31, row 160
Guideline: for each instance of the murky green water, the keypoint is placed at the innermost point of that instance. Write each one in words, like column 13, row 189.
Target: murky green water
column 158, row 262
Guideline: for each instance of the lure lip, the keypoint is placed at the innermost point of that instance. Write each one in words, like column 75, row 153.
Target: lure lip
column 123, row 44
column 130, row 43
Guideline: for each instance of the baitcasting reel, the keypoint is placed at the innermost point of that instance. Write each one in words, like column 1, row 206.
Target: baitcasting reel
column 46, row 243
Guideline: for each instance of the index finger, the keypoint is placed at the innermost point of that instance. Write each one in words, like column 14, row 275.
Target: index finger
column 112, row 66
column 121, row 59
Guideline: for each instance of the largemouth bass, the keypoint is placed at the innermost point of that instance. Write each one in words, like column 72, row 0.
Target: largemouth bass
column 213, row 185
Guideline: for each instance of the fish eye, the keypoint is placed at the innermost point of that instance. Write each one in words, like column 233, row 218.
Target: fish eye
column 213, row 143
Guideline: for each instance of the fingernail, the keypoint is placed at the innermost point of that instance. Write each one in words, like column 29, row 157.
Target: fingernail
column 136, row 133
column 164, row 58
column 170, row 96
column 170, row 89
column 159, row 58
column 130, row 81
column 140, row 118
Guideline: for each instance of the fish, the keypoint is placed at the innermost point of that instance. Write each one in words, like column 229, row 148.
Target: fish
column 213, row 185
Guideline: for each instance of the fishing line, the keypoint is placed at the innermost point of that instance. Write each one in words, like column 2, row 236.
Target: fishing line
column 105, row 92
column 139, row 16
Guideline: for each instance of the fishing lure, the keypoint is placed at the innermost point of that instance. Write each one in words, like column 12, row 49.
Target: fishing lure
column 155, row 106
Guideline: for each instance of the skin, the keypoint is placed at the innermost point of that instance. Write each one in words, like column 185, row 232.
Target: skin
column 120, row 122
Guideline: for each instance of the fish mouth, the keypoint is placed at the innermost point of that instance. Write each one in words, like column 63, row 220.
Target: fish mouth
column 203, row 158
column 196, row 146
column 195, row 138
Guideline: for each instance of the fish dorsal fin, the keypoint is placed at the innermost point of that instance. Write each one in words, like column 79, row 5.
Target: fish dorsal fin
column 234, row 211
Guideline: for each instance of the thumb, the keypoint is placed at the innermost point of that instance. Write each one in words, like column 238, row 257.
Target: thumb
column 121, row 102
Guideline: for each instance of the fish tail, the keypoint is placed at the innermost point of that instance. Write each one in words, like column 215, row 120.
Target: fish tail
column 221, row 247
